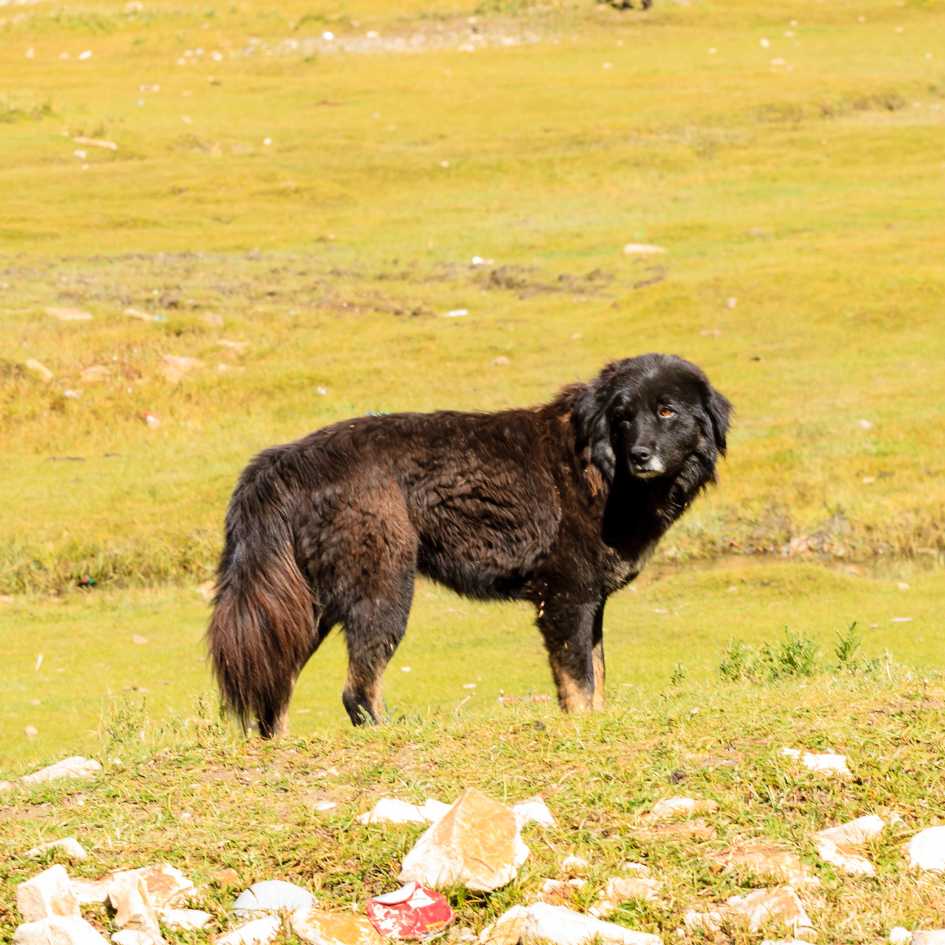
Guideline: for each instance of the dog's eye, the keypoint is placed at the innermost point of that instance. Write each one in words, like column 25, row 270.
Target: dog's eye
column 666, row 412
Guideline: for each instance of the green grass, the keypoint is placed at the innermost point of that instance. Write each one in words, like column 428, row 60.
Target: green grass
column 679, row 622
column 797, row 189
column 809, row 192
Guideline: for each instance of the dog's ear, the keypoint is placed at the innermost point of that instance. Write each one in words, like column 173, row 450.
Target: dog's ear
column 592, row 427
column 720, row 413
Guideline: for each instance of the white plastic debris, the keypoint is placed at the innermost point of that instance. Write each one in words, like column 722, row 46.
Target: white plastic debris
column 273, row 895
column 927, row 849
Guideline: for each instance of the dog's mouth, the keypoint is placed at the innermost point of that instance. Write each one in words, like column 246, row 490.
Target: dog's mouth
column 651, row 469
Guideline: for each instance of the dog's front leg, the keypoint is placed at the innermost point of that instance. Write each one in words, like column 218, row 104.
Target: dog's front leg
column 568, row 631
column 597, row 657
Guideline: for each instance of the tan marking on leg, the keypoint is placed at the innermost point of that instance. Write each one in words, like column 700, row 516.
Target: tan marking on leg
column 598, row 658
column 281, row 726
column 370, row 689
column 572, row 694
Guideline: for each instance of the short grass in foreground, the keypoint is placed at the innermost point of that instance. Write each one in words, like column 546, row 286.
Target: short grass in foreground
column 787, row 155
column 69, row 661
column 190, row 793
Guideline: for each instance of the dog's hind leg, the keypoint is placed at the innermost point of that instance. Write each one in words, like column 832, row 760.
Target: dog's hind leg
column 568, row 630
column 373, row 630
column 597, row 657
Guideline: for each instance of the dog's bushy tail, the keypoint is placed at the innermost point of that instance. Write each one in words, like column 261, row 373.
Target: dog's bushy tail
column 262, row 628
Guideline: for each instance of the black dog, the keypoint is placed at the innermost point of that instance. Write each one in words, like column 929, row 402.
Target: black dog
column 559, row 505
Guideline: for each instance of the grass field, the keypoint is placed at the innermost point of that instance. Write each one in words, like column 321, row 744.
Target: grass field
column 294, row 196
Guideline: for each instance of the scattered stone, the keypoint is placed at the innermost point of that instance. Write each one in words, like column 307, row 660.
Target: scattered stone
column 69, row 846
column 47, row 894
column 642, row 249
column 540, row 922
column 152, row 421
column 675, row 808
column 184, row 918
column 132, row 937
column 319, row 927
column 778, row 905
column 559, row 891
column 176, row 367
column 709, row 922
column 475, row 844
column 533, row 811
column 574, row 865
column 258, row 932
column 827, row 763
column 411, row 912
column 621, row 889
column 695, row 829
column 226, row 877
column 139, row 640
column 238, row 346
column 324, row 805
column 456, row 313
column 767, row 861
column 930, row 937
column 90, row 892
column 899, row 936
column 96, row 142
column 273, row 895
column 31, row 731
column 143, row 316
column 74, row 767
column 841, row 845
column 167, row 886
column 927, row 849
column 58, row 930
column 66, row 314
column 134, row 908
column 390, row 810
column 39, row 369
column 95, row 374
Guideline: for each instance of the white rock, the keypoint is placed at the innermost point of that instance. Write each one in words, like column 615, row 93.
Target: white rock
column 184, row 918
column 562, row 926
column 47, row 894
column 574, row 865
column 390, row 810
column 764, row 906
column 839, row 845
column 927, row 849
column 273, row 895
column 533, row 811
column 58, row 930
column 132, row 937
column 67, row 314
column 928, row 937
column 620, row 889
column 899, row 936
column 177, row 366
column 827, row 763
column 133, row 907
column 476, row 844
column 89, row 892
column 39, row 369
column 642, row 249
column 74, row 767
column 258, row 932
column 166, row 885
column 70, row 847
column 673, row 807
column 709, row 922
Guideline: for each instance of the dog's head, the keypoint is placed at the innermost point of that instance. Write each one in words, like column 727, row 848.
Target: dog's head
column 651, row 416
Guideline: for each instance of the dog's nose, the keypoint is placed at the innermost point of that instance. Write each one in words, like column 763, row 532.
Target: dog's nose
column 640, row 454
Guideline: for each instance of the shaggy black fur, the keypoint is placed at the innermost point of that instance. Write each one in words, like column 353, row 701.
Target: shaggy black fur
column 559, row 505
